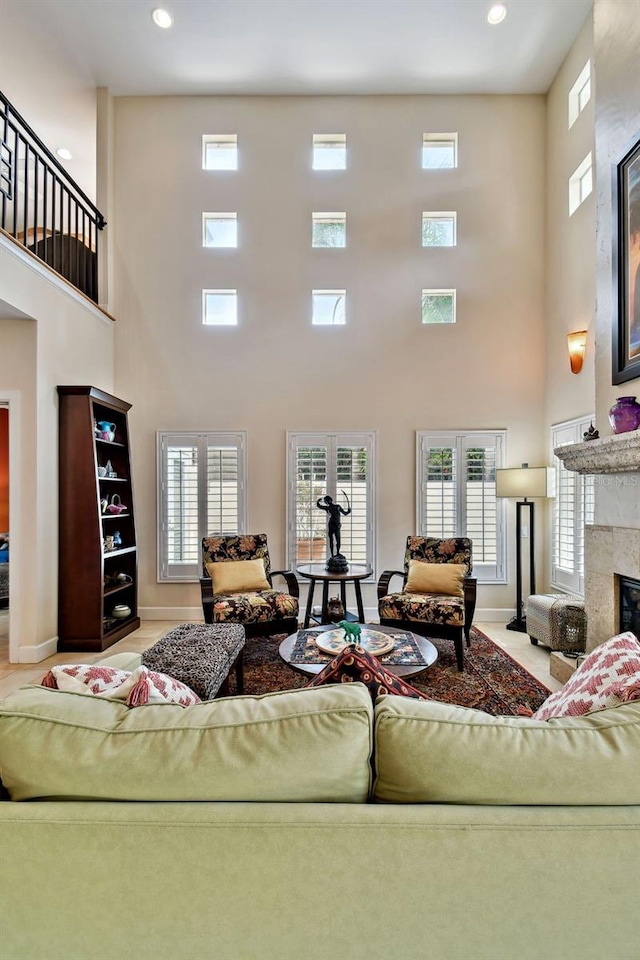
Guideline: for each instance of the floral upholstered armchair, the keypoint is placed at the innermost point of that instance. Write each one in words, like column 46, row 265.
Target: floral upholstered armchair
column 237, row 586
column 438, row 596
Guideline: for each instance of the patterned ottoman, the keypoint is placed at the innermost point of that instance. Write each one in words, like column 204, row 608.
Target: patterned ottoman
column 200, row 655
column 558, row 620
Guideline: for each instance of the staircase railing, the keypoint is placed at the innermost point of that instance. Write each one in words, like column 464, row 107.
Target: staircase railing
column 43, row 208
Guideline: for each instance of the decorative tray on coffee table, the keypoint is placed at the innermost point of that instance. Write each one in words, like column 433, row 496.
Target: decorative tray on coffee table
column 332, row 641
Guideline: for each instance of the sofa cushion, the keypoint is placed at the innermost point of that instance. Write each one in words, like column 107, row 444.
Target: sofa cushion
column 430, row 752
column 299, row 745
column 354, row 664
column 610, row 675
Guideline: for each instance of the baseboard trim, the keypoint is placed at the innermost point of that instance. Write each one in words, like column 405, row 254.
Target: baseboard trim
column 39, row 652
column 184, row 614
column 493, row 614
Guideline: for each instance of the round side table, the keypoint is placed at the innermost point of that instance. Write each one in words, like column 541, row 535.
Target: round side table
column 315, row 572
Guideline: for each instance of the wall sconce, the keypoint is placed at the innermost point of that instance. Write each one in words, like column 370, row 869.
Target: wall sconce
column 576, row 342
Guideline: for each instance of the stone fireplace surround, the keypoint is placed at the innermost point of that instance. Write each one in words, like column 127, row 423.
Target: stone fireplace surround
column 612, row 543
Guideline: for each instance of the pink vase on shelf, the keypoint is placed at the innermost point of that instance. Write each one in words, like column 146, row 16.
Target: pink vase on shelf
column 624, row 415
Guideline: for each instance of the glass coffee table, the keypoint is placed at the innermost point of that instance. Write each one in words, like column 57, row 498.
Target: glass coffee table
column 301, row 653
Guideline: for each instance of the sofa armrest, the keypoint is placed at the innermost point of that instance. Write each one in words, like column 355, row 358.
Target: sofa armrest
column 293, row 587
column 385, row 578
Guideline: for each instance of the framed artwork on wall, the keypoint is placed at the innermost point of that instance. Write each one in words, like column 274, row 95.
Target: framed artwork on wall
column 626, row 265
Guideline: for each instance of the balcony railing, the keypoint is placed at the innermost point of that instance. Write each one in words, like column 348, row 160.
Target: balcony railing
column 43, row 208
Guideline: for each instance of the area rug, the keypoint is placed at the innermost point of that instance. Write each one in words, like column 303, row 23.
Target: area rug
column 492, row 681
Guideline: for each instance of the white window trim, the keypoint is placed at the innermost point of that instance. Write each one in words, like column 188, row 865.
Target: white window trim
column 577, row 196
column 462, row 439
column 202, row 439
column 440, row 215
column 428, row 138
column 439, row 293
column 224, row 140
column 574, row 99
column 361, row 438
column 218, row 217
column 562, row 579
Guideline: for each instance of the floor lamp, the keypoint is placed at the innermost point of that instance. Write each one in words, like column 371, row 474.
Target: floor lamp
column 521, row 484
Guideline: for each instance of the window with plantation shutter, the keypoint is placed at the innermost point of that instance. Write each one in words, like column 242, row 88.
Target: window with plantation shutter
column 573, row 507
column 456, row 494
column 340, row 465
column 201, row 492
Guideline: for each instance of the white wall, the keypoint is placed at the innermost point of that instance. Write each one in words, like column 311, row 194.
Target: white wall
column 66, row 341
column 617, row 42
column 383, row 370
column 54, row 95
column 570, row 261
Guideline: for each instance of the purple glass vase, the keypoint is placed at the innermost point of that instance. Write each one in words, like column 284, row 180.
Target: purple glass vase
column 625, row 415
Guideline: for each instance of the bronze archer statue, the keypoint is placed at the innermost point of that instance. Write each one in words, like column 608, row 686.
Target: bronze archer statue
column 336, row 562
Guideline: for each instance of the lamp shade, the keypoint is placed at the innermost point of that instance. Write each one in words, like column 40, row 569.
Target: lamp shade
column 525, row 482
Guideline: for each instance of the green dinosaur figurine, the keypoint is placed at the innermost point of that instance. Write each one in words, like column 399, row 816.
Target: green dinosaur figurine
column 351, row 631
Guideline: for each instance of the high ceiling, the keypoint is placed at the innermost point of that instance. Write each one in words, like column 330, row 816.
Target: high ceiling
column 311, row 46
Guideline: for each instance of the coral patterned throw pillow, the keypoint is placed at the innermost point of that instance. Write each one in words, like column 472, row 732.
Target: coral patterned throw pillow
column 355, row 664
column 610, row 675
column 136, row 689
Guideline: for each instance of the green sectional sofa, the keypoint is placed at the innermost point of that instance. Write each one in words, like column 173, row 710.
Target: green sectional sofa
column 308, row 825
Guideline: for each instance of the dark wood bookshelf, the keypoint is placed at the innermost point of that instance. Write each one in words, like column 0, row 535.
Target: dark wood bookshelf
column 87, row 592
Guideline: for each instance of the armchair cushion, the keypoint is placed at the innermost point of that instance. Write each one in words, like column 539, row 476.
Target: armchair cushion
column 238, row 576
column 433, row 550
column 245, row 547
column 259, row 607
column 441, row 578
column 432, row 607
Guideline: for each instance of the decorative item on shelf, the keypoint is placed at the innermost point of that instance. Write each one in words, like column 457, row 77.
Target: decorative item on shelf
column 576, row 342
column 104, row 503
column 109, row 471
column 591, row 433
column 117, row 539
column 116, row 579
column 116, row 505
column 121, row 611
column 624, row 415
column 102, row 471
column 108, row 622
column 105, row 430
column 109, row 543
column 335, row 610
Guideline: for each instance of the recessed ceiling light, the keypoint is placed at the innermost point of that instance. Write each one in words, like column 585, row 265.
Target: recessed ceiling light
column 64, row 154
column 162, row 18
column 497, row 13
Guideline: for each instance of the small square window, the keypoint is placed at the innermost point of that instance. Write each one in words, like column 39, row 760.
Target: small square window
column 329, row 151
column 580, row 93
column 329, row 307
column 439, row 151
column 220, row 308
column 220, row 151
column 329, row 229
column 219, row 229
column 438, row 306
column 439, row 229
column 580, row 184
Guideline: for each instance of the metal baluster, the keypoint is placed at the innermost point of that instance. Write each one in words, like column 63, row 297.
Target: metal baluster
column 54, row 181
column 35, row 205
column 44, row 218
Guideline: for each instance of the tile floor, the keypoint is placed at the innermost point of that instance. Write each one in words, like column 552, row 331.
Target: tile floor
column 14, row 675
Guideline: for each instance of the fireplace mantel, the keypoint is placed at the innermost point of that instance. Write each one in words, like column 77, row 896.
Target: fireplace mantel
column 617, row 454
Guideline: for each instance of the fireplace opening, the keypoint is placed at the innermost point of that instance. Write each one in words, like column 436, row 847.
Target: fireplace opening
column 629, row 606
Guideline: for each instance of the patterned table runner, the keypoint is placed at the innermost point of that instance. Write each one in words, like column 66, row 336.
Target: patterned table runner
column 406, row 650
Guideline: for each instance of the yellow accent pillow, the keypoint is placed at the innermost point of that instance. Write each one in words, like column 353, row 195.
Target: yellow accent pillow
column 238, row 576
column 445, row 578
